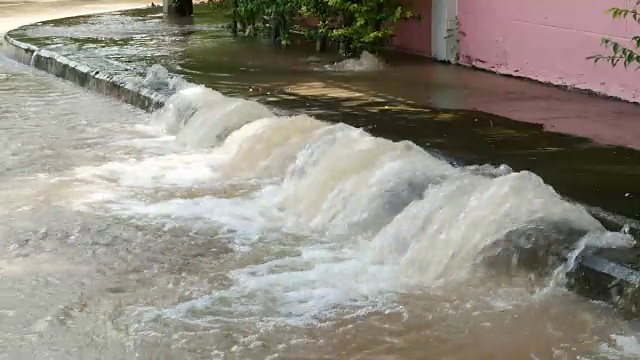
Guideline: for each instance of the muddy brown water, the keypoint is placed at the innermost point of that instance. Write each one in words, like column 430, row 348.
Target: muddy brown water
column 233, row 235
column 474, row 110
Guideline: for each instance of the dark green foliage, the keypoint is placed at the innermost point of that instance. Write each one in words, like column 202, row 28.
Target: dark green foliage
column 358, row 25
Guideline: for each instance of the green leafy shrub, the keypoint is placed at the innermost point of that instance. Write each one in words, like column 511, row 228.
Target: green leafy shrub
column 626, row 55
column 358, row 25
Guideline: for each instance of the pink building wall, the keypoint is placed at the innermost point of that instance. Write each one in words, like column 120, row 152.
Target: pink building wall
column 548, row 40
column 414, row 35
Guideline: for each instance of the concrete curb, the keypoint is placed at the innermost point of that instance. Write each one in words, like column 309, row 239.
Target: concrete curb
column 83, row 75
column 600, row 279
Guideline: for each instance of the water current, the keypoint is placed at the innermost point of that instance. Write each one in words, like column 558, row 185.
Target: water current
column 216, row 229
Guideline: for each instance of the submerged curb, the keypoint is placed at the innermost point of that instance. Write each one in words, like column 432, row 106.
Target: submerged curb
column 600, row 279
column 83, row 75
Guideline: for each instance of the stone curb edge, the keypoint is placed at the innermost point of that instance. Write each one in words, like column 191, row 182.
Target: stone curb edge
column 83, row 75
column 599, row 279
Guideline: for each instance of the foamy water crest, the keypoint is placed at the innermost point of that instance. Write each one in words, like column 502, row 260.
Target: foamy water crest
column 356, row 219
column 623, row 347
column 365, row 62
column 158, row 78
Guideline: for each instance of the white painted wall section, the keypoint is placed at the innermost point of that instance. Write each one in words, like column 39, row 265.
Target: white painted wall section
column 444, row 34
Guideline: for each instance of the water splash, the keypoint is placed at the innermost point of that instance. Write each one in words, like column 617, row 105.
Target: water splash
column 34, row 57
column 158, row 78
column 594, row 239
column 182, row 107
column 356, row 219
column 442, row 235
column 211, row 128
column 625, row 347
column 366, row 62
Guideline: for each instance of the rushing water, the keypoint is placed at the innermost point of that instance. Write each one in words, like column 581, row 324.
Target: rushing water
column 14, row 13
column 215, row 229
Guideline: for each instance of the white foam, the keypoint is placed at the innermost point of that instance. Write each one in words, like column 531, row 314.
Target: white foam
column 207, row 129
column 625, row 347
column 183, row 170
column 266, row 147
column 183, row 105
column 369, row 218
column 245, row 217
column 365, row 62
column 440, row 236
column 298, row 290
column 350, row 183
column 158, row 78
column 596, row 238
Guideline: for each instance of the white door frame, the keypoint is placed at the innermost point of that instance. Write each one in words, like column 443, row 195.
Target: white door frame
column 444, row 34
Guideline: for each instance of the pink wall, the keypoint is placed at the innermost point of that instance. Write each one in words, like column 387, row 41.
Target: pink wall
column 414, row 35
column 548, row 40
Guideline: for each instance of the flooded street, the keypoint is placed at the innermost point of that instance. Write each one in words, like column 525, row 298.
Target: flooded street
column 14, row 13
column 214, row 229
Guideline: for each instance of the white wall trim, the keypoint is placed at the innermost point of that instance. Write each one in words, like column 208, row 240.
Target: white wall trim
column 444, row 44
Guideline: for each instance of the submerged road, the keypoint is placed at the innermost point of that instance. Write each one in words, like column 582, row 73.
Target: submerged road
column 125, row 235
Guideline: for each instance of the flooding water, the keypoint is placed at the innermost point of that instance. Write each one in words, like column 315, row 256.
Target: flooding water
column 14, row 13
column 214, row 229
column 357, row 92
